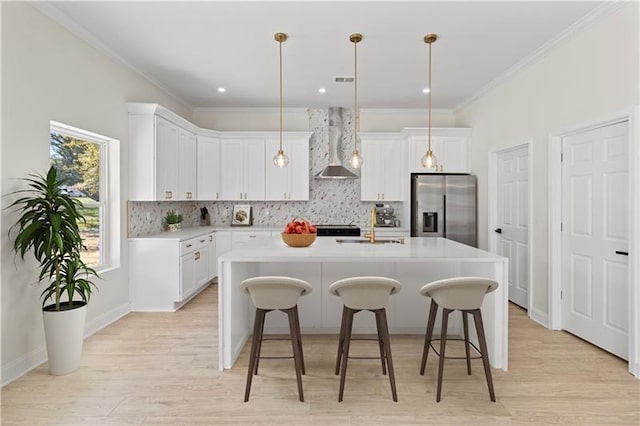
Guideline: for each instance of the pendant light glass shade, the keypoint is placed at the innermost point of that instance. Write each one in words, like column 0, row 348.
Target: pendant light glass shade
column 356, row 158
column 280, row 159
column 429, row 160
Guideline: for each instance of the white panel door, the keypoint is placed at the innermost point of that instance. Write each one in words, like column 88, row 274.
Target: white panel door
column 513, row 220
column 595, row 287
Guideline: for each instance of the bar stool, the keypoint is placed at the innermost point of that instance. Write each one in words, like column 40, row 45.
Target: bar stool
column 269, row 294
column 464, row 294
column 365, row 294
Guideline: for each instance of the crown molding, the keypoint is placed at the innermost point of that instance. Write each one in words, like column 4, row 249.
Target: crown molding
column 48, row 9
column 607, row 6
column 404, row 110
column 252, row 109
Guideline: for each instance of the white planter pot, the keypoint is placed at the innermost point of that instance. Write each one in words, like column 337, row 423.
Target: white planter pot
column 64, row 332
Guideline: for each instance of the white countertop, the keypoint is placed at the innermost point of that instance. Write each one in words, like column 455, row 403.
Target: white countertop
column 326, row 249
column 196, row 231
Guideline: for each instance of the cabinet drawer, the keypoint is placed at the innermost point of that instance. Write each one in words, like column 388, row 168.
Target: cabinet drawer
column 241, row 237
column 193, row 244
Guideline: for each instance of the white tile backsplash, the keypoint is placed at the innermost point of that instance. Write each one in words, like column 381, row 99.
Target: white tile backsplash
column 330, row 201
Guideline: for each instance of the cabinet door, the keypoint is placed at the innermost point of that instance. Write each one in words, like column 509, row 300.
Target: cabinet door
column 166, row 160
column 187, row 155
column 187, row 275
column 298, row 152
column 231, row 173
column 390, row 155
column 277, row 179
column 213, row 260
column 455, row 155
column 201, row 267
column 418, row 147
column 253, row 169
column 208, row 182
column 371, row 173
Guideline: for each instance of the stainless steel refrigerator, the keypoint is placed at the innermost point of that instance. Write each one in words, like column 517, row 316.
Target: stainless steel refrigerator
column 444, row 206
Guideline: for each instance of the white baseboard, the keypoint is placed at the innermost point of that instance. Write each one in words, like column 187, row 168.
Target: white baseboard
column 21, row 366
column 540, row 317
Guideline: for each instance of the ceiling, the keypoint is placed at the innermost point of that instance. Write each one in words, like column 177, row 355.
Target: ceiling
column 192, row 48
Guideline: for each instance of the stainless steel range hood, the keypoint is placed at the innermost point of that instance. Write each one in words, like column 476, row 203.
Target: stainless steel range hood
column 335, row 169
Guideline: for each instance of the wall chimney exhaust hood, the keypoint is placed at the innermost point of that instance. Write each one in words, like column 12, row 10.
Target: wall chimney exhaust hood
column 335, row 169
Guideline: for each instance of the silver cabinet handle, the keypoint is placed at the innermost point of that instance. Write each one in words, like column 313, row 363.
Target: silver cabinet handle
column 202, row 241
column 245, row 195
column 189, row 245
column 210, row 237
column 252, row 236
column 217, row 195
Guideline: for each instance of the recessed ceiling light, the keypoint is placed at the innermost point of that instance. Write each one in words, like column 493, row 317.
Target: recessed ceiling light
column 322, row 90
column 221, row 89
column 425, row 90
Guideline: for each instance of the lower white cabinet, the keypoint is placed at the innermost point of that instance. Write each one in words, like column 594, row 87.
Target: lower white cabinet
column 164, row 273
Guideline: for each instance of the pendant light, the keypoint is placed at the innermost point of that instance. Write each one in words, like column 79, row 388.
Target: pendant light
column 356, row 159
column 429, row 160
column 280, row 159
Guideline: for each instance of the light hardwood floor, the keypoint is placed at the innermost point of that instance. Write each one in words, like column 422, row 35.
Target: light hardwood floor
column 159, row 368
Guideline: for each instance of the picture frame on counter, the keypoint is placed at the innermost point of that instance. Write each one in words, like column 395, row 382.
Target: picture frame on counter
column 242, row 215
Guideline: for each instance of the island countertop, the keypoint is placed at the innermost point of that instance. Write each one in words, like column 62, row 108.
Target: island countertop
column 327, row 249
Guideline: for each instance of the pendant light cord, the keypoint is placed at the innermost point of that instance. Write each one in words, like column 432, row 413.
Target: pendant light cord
column 430, row 95
column 280, row 45
column 355, row 91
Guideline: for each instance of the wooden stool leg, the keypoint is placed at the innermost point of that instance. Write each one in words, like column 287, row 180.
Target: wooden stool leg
column 477, row 316
column 433, row 310
column 296, row 350
column 341, row 339
column 443, row 343
column 465, row 323
column 382, row 314
column 259, row 341
column 380, row 343
column 345, row 353
column 253, row 356
column 297, row 319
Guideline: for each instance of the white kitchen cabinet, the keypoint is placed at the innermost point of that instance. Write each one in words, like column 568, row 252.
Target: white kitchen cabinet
column 208, row 176
column 382, row 168
column 450, row 146
column 291, row 182
column 167, row 140
column 162, row 155
column 187, row 165
column 213, row 256
column 165, row 273
column 242, row 169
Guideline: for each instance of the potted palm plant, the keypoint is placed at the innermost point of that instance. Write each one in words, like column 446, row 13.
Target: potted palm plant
column 48, row 228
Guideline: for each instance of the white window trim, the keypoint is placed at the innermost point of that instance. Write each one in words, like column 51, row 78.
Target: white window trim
column 109, row 192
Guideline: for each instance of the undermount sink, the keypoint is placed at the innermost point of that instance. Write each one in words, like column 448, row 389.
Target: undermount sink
column 387, row 240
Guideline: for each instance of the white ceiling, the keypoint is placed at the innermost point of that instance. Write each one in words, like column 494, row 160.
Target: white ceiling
column 192, row 48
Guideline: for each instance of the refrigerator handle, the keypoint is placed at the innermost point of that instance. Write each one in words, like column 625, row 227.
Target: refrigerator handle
column 444, row 214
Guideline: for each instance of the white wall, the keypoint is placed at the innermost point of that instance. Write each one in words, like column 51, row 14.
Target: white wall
column 591, row 74
column 297, row 119
column 48, row 74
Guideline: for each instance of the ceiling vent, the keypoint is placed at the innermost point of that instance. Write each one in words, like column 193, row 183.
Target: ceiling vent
column 344, row 79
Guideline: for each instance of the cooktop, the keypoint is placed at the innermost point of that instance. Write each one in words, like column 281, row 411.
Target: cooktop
column 337, row 230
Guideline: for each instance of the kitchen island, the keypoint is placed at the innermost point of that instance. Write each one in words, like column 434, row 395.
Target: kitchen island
column 415, row 263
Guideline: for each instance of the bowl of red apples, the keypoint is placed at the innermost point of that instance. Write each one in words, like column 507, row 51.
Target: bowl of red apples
column 299, row 233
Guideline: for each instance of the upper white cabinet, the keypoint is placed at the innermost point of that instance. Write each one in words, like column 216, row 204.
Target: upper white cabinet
column 382, row 168
column 208, row 153
column 450, row 146
column 187, row 165
column 162, row 155
column 242, row 169
column 291, row 182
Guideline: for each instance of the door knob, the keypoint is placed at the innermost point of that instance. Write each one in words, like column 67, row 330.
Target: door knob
column 498, row 231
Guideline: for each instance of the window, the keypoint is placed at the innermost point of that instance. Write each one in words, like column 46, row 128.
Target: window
column 83, row 159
